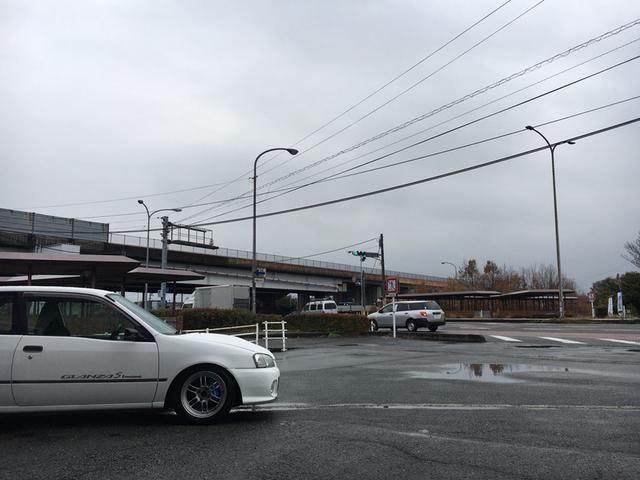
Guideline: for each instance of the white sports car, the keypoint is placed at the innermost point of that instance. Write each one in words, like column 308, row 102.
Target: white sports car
column 67, row 348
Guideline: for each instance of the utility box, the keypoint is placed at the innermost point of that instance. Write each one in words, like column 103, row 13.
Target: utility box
column 226, row 297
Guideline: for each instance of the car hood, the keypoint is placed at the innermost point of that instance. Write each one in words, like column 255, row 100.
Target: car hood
column 228, row 340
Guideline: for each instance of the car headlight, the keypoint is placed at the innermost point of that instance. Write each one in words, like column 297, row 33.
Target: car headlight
column 262, row 360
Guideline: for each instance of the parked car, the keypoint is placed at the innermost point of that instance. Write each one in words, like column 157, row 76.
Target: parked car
column 67, row 348
column 320, row 306
column 410, row 315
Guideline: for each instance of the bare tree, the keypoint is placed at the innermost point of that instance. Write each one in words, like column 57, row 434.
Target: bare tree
column 633, row 252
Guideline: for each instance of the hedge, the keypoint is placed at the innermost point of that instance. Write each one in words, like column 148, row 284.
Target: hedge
column 199, row 318
column 327, row 323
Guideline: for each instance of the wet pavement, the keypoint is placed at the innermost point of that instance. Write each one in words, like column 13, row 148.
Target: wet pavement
column 374, row 407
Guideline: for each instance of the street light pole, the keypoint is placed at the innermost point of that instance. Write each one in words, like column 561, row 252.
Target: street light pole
column 552, row 149
column 146, row 263
column 254, row 264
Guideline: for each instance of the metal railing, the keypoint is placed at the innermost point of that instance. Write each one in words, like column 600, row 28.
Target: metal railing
column 279, row 333
column 120, row 239
column 255, row 333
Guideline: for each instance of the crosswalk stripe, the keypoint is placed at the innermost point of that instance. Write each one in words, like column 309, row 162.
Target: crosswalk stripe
column 562, row 340
column 628, row 342
column 506, row 339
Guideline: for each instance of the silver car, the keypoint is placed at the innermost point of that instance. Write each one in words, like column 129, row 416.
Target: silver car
column 409, row 314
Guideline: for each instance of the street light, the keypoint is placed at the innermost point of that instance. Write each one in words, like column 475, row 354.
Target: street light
column 455, row 269
column 146, row 263
column 552, row 148
column 254, row 264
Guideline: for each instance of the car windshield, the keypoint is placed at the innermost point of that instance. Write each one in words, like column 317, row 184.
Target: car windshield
column 148, row 318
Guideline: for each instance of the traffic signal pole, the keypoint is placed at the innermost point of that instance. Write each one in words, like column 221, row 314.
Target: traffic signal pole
column 363, row 256
column 362, row 295
column 384, row 278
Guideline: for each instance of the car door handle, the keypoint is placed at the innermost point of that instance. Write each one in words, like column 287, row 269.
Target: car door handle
column 32, row 348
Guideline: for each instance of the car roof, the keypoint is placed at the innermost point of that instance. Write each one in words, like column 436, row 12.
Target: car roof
column 45, row 289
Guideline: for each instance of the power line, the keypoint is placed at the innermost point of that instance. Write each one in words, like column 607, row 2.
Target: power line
column 408, row 184
column 360, row 102
column 469, row 96
column 331, row 251
column 500, row 82
column 473, row 110
column 424, row 180
column 419, row 82
column 464, row 125
column 113, row 200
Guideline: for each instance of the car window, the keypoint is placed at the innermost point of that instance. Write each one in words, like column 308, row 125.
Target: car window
column 6, row 313
column 431, row 305
column 330, row 306
column 387, row 308
column 402, row 307
column 312, row 306
column 75, row 317
column 149, row 318
column 306, row 308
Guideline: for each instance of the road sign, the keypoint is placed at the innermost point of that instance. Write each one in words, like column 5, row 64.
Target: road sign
column 392, row 286
column 261, row 272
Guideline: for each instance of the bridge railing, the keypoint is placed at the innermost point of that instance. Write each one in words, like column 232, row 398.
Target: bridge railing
column 120, row 239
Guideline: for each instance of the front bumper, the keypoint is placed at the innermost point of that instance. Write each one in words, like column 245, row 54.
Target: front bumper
column 257, row 385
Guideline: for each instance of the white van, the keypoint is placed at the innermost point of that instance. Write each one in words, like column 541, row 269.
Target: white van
column 320, row 306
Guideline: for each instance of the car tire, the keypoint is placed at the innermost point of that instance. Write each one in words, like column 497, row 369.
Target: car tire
column 203, row 395
column 433, row 328
column 373, row 325
column 411, row 325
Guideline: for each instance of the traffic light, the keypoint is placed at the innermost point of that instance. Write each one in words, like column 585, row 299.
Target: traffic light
column 355, row 253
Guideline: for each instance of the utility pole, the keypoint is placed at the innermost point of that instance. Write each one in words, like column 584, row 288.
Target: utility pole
column 165, row 237
column 384, row 278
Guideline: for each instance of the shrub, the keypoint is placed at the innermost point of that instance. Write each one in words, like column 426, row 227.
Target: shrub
column 199, row 318
column 327, row 323
column 163, row 312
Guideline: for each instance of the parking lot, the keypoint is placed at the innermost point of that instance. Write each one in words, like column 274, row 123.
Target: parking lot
column 374, row 407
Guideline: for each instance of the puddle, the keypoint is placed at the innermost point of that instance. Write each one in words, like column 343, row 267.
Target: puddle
column 483, row 372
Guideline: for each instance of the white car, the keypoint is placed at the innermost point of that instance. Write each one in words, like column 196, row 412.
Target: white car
column 67, row 348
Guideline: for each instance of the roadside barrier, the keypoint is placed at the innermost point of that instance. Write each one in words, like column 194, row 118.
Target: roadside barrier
column 280, row 334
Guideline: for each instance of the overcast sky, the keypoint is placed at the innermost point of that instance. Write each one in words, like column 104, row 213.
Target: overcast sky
column 105, row 102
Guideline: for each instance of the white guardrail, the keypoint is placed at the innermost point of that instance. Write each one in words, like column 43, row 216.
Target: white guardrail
column 278, row 332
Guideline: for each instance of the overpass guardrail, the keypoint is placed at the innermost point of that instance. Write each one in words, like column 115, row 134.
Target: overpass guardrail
column 120, row 239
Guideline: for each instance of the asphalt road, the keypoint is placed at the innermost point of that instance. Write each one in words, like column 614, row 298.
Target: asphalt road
column 377, row 407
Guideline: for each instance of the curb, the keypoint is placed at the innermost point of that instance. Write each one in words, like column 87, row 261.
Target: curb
column 547, row 320
column 428, row 336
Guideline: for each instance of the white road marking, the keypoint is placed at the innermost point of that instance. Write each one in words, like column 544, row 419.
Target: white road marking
column 506, row 339
column 275, row 407
column 562, row 340
column 628, row 342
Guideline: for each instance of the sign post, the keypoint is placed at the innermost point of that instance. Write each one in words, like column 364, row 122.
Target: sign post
column 591, row 299
column 391, row 288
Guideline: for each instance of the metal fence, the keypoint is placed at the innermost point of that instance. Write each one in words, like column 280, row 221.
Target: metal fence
column 274, row 331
